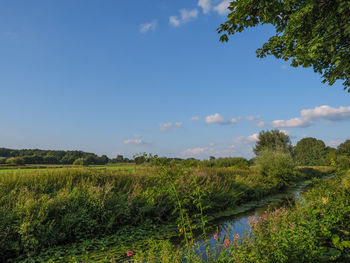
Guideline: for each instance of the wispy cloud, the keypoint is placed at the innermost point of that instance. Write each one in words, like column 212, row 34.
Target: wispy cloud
column 235, row 120
column 218, row 119
column 185, row 16
column 253, row 118
column 178, row 124
column 169, row 125
column 260, row 124
column 309, row 117
column 144, row 28
column 222, row 8
column 205, row 5
column 195, row 118
column 215, row 118
column 206, row 151
column 337, row 141
column 133, row 141
column 246, row 140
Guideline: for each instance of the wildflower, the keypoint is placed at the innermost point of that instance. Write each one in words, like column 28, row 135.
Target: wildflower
column 215, row 236
column 324, row 200
column 237, row 236
column 129, row 254
column 273, row 229
column 292, row 225
column 226, row 243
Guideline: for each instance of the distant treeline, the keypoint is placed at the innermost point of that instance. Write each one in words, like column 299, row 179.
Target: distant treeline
column 308, row 151
column 36, row 156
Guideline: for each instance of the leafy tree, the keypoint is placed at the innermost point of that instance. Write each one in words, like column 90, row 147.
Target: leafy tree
column 276, row 164
column 344, row 148
column 15, row 161
column 273, row 140
column 310, row 33
column 79, row 161
column 310, row 151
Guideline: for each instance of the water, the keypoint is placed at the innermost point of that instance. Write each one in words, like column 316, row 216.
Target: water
column 237, row 222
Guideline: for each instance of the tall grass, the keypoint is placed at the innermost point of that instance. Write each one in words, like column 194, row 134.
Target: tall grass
column 44, row 209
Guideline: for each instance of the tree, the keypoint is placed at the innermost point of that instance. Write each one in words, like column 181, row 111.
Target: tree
column 310, row 151
column 273, row 140
column 310, row 33
column 344, row 148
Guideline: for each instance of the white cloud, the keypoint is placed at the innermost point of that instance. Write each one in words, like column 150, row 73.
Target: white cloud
column 215, row 118
column 260, row 124
column 235, row 120
column 335, row 143
column 205, row 151
column 253, row 118
column 133, row 141
column 178, row 124
column 165, row 126
column 247, row 140
column 222, row 7
column 195, row 151
column 148, row 26
column 211, row 144
column 284, row 67
column 205, row 5
column 195, row 118
column 310, row 116
column 185, row 16
column 169, row 125
column 285, row 132
column 174, row 20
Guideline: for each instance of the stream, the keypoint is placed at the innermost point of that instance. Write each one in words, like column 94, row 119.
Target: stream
column 237, row 221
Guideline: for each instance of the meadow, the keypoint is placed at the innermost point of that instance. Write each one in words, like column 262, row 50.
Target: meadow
column 65, row 214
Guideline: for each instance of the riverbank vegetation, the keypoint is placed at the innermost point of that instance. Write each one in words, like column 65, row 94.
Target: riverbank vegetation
column 55, row 207
column 73, row 214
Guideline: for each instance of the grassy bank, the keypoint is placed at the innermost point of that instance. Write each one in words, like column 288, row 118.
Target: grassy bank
column 317, row 229
column 50, row 208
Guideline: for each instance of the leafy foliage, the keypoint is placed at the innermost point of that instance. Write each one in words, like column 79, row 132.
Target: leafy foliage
column 310, row 33
column 273, row 140
column 310, row 151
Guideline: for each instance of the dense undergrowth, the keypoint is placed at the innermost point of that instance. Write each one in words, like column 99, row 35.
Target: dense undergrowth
column 316, row 229
column 45, row 209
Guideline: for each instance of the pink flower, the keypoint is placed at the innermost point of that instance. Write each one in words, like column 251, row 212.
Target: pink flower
column 273, row 229
column 129, row 254
column 215, row 236
column 292, row 225
column 226, row 243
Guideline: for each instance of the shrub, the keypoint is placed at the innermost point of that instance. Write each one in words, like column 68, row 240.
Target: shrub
column 343, row 162
column 276, row 164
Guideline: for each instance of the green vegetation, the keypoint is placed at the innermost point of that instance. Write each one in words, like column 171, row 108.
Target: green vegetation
column 60, row 206
column 310, row 33
column 79, row 213
column 273, row 140
column 310, row 151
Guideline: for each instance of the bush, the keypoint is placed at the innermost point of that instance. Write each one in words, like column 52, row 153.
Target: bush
column 15, row 161
column 343, row 162
column 79, row 161
column 276, row 164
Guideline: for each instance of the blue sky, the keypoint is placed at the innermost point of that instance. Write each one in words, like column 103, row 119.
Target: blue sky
column 150, row 76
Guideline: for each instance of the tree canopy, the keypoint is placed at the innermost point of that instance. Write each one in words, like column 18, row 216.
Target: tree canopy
column 310, row 151
column 273, row 140
column 310, row 33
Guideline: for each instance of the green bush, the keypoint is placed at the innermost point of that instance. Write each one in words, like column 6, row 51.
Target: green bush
column 277, row 165
column 343, row 162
